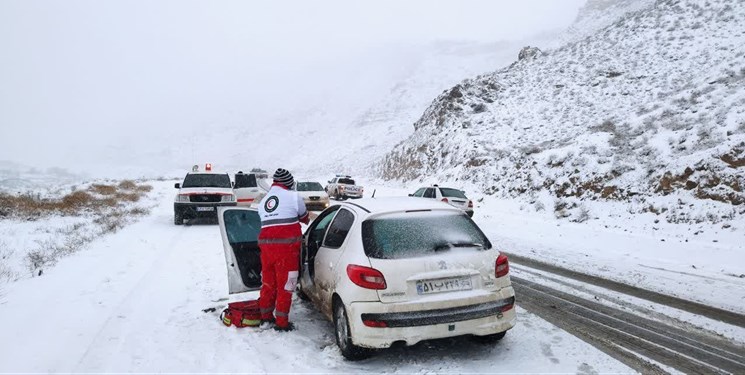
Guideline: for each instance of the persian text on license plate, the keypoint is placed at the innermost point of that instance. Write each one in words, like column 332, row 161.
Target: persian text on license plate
column 205, row 208
column 443, row 285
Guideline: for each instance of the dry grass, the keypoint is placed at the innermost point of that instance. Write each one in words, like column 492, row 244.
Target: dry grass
column 96, row 198
column 103, row 189
column 127, row 185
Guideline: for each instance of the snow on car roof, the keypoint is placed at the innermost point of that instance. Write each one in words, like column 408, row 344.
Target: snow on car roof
column 397, row 204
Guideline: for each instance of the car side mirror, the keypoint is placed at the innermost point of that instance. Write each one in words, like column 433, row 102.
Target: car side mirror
column 177, row 185
column 411, row 195
column 329, row 181
column 232, row 183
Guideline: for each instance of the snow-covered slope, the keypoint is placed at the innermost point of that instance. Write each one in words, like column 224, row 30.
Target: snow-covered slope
column 651, row 105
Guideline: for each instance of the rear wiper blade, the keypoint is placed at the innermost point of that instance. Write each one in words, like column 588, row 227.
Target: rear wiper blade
column 447, row 245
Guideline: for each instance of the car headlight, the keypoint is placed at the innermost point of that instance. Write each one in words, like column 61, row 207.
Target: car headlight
column 228, row 198
column 182, row 198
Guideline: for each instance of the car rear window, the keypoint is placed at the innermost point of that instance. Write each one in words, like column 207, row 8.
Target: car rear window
column 309, row 186
column 452, row 193
column 346, row 181
column 193, row 180
column 416, row 234
column 245, row 180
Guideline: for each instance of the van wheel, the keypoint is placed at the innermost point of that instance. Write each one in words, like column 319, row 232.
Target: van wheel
column 489, row 339
column 344, row 335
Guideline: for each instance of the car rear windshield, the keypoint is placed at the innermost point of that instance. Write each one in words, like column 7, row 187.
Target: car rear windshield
column 452, row 193
column 309, row 186
column 193, row 180
column 346, row 181
column 416, row 234
column 245, row 180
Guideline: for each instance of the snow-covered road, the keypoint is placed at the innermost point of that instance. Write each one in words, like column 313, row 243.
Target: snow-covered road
column 134, row 301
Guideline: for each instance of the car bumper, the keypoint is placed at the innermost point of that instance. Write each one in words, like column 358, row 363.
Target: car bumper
column 412, row 323
column 316, row 205
column 192, row 210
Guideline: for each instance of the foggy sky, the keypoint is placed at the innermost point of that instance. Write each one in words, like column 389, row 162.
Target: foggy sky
column 77, row 74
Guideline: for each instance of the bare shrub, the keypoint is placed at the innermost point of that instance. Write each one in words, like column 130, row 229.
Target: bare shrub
column 144, row 188
column 128, row 197
column 127, row 185
column 6, row 273
column 561, row 209
column 76, row 200
column 103, row 189
column 539, row 206
column 582, row 215
column 139, row 211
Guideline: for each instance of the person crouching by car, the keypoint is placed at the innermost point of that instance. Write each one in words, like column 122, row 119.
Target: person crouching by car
column 281, row 210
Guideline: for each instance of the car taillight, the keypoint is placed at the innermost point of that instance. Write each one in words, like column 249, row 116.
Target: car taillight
column 445, row 200
column 507, row 307
column 228, row 198
column 375, row 323
column 366, row 277
column 502, row 267
column 470, row 204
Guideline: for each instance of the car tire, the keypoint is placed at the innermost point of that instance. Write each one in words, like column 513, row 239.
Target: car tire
column 344, row 335
column 489, row 339
column 178, row 219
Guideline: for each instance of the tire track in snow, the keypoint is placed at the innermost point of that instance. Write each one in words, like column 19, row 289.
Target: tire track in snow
column 613, row 330
column 726, row 316
column 154, row 268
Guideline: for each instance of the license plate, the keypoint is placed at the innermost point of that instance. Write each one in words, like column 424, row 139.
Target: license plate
column 443, row 285
column 205, row 208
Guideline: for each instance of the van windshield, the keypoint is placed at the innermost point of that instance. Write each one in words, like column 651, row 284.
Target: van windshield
column 193, row 180
column 417, row 234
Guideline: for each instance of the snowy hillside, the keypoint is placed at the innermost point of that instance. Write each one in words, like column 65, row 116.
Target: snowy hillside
column 652, row 105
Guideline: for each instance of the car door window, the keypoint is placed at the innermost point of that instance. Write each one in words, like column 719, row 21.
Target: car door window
column 339, row 229
column 315, row 236
column 420, row 192
column 430, row 193
column 318, row 231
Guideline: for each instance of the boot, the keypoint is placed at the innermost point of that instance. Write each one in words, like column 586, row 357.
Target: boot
column 290, row 327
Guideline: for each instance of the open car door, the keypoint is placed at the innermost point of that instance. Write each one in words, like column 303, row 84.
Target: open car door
column 239, row 228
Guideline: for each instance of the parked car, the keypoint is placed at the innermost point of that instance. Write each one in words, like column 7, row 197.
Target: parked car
column 313, row 194
column 250, row 187
column 201, row 193
column 388, row 270
column 342, row 187
column 454, row 197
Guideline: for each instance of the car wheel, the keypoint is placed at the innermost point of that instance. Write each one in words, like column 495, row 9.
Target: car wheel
column 178, row 219
column 489, row 339
column 344, row 335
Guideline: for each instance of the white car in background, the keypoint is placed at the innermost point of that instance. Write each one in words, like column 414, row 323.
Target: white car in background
column 386, row 271
column 313, row 194
column 250, row 187
column 454, row 197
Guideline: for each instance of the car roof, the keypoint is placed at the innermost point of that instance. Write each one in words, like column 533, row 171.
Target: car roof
column 398, row 204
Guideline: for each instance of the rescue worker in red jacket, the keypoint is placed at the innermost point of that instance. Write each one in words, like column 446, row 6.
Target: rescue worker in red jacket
column 281, row 210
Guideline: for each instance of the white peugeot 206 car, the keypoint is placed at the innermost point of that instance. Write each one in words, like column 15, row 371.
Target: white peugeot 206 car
column 389, row 270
